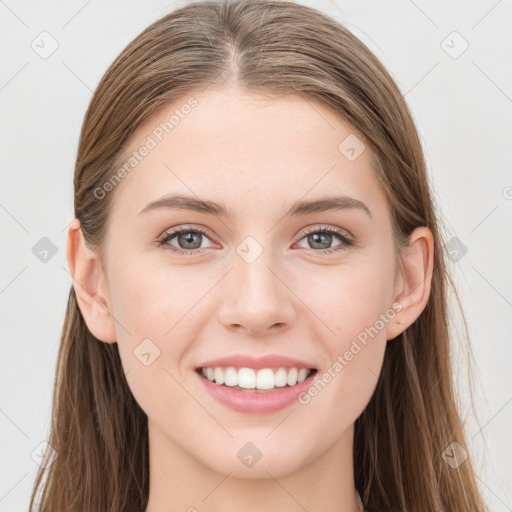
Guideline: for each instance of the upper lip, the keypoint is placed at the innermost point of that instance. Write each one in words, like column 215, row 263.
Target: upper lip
column 247, row 361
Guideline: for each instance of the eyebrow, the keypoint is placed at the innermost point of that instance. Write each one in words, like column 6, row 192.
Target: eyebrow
column 298, row 208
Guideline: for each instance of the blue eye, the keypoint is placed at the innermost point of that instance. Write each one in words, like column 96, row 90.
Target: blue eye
column 325, row 235
column 184, row 236
column 193, row 236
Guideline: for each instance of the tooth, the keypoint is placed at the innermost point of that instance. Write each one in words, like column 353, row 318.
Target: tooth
column 230, row 377
column 246, row 378
column 280, row 378
column 249, row 378
column 265, row 379
column 219, row 376
column 292, row 377
column 301, row 376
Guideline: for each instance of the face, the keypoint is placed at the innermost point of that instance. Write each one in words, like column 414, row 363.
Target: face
column 258, row 279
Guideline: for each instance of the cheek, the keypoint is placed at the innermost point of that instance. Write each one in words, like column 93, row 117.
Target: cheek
column 152, row 300
column 346, row 300
column 353, row 306
column 153, row 307
column 159, row 310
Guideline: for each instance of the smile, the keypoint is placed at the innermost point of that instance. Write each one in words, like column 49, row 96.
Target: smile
column 250, row 379
column 255, row 391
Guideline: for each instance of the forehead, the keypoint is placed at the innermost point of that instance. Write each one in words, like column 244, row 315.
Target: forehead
column 250, row 152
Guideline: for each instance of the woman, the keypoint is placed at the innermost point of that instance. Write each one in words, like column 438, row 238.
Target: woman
column 258, row 316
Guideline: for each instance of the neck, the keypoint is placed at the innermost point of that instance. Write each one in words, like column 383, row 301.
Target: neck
column 179, row 482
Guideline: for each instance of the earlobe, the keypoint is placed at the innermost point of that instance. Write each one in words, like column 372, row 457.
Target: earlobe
column 414, row 283
column 89, row 285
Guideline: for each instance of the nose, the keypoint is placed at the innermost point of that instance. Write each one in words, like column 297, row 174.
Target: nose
column 258, row 299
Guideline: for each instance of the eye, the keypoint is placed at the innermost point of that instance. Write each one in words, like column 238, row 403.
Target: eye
column 322, row 238
column 189, row 238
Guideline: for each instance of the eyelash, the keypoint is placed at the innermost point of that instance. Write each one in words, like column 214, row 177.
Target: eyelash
column 346, row 242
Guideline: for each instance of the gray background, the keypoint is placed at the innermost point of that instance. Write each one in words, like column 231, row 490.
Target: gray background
column 461, row 101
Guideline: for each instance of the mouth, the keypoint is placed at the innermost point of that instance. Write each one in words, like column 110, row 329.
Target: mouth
column 256, row 380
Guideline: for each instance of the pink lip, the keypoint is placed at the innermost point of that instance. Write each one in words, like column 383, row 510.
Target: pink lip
column 246, row 361
column 254, row 402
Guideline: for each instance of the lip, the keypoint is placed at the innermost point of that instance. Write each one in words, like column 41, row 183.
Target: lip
column 255, row 402
column 247, row 361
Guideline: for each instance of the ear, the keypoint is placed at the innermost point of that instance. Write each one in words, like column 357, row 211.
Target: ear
column 412, row 289
column 89, row 283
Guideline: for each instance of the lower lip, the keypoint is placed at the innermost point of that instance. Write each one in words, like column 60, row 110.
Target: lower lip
column 253, row 401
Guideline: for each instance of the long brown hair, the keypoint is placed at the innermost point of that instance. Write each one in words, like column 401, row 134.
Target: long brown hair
column 98, row 430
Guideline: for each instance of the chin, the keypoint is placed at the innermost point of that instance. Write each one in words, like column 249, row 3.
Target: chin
column 251, row 457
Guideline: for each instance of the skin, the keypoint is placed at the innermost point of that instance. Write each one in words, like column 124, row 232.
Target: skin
column 256, row 155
